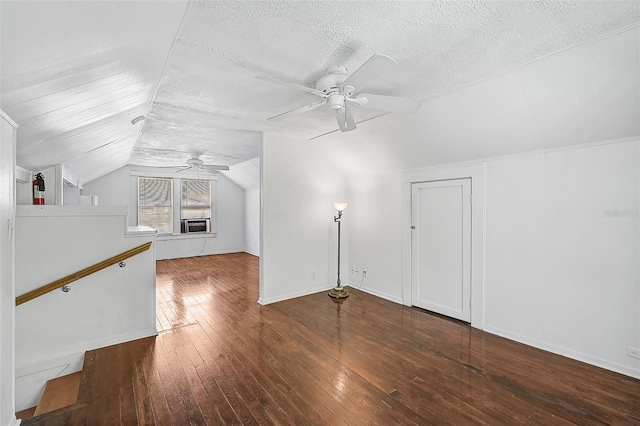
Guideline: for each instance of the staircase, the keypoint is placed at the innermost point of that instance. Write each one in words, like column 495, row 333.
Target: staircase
column 111, row 389
column 58, row 393
column 61, row 399
column 96, row 240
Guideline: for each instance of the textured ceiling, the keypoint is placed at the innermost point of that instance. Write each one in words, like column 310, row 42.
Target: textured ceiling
column 587, row 94
column 440, row 46
column 208, row 100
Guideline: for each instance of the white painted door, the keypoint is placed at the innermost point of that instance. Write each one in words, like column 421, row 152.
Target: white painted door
column 441, row 247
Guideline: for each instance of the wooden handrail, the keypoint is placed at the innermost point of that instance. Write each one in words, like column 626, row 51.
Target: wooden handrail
column 81, row 274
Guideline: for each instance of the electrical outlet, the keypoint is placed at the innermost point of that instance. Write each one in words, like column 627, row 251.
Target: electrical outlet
column 313, row 274
column 364, row 272
column 633, row 352
column 352, row 269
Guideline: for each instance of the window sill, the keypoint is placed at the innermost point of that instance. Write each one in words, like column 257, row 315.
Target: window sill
column 193, row 236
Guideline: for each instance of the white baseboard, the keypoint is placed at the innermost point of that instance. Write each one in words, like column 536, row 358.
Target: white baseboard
column 377, row 293
column 578, row 356
column 14, row 421
column 294, row 294
column 72, row 362
column 82, row 347
column 121, row 338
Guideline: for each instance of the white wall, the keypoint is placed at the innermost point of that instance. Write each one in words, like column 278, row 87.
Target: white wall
column 381, row 235
column 558, row 273
column 375, row 231
column 562, row 252
column 24, row 186
column 252, row 221
column 299, row 186
column 118, row 189
column 113, row 189
column 110, row 306
column 7, row 288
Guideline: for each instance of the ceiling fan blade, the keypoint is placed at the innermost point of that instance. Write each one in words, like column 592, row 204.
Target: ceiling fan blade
column 290, row 84
column 172, row 167
column 345, row 119
column 389, row 103
column 299, row 110
column 375, row 67
column 215, row 167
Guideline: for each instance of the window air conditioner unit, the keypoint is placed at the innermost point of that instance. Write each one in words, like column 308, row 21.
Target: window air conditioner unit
column 190, row 226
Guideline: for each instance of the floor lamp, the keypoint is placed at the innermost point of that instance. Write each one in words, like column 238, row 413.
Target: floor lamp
column 338, row 292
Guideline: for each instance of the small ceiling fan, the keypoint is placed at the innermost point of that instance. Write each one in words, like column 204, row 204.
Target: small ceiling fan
column 338, row 89
column 196, row 164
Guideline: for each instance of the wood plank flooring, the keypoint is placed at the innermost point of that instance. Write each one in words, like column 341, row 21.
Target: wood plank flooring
column 221, row 358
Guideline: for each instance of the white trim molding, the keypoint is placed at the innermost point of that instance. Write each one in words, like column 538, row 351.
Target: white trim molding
column 174, row 174
column 476, row 173
column 293, row 295
column 579, row 356
column 376, row 293
column 8, row 119
column 23, row 175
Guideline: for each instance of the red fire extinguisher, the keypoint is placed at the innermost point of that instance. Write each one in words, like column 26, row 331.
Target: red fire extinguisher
column 38, row 190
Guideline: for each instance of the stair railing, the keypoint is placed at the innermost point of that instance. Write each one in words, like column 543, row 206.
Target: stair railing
column 81, row 274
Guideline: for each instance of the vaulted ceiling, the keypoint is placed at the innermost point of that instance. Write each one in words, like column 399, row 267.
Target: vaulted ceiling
column 489, row 75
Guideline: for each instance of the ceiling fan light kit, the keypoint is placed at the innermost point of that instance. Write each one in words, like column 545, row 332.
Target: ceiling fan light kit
column 338, row 89
column 337, row 102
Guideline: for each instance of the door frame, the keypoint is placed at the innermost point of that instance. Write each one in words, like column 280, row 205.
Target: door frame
column 464, row 185
column 476, row 173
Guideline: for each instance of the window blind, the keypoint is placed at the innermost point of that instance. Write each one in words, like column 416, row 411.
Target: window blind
column 195, row 199
column 155, row 207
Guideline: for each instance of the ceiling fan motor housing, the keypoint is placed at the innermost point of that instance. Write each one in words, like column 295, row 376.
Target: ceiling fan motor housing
column 332, row 81
column 195, row 162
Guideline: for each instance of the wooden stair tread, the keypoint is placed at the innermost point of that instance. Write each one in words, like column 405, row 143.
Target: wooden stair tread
column 59, row 392
column 26, row 414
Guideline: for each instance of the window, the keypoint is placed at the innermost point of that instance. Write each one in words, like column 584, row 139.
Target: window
column 155, row 207
column 176, row 206
column 196, row 199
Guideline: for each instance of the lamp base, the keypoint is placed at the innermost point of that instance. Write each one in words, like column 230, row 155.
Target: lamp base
column 338, row 293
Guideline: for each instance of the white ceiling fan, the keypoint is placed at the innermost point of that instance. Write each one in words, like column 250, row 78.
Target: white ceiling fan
column 338, row 90
column 196, row 164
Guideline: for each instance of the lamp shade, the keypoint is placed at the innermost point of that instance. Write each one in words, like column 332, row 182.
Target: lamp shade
column 340, row 206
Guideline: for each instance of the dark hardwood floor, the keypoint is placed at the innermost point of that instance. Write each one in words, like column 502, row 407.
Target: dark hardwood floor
column 221, row 358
